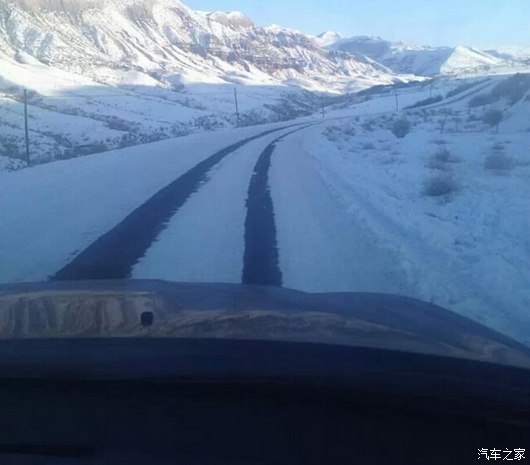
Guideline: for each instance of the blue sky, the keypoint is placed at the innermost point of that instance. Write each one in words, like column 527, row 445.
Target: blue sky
column 482, row 23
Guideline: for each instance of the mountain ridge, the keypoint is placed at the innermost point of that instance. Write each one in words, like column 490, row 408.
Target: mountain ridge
column 170, row 43
column 422, row 60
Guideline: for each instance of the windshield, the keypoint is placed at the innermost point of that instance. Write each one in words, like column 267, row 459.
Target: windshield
column 381, row 147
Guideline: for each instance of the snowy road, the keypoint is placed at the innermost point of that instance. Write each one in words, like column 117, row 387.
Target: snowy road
column 256, row 212
column 205, row 239
column 114, row 254
column 266, row 217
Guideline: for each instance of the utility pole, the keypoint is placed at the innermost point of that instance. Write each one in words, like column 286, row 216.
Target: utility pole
column 443, row 124
column 397, row 102
column 237, row 106
column 26, row 125
column 323, row 108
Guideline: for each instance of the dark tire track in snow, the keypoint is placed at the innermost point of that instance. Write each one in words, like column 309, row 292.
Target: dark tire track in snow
column 114, row 254
column 261, row 260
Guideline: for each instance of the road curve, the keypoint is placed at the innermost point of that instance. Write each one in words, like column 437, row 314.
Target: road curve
column 114, row 254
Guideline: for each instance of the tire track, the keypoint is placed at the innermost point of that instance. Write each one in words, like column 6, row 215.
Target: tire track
column 261, row 258
column 114, row 254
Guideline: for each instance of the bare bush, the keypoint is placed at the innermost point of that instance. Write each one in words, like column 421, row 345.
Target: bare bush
column 368, row 126
column 401, row 128
column 493, row 118
column 332, row 133
column 441, row 160
column 499, row 161
column 498, row 147
column 349, row 130
column 440, row 185
column 443, row 155
column 337, row 133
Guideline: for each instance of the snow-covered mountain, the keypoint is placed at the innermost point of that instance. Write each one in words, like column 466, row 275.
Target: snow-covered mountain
column 423, row 60
column 164, row 42
column 103, row 74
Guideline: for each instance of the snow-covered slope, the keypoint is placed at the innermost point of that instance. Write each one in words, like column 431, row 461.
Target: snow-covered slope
column 422, row 60
column 104, row 74
column 464, row 247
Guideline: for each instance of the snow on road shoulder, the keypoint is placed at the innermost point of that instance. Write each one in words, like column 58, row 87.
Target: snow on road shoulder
column 321, row 247
column 50, row 213
column 455, row 207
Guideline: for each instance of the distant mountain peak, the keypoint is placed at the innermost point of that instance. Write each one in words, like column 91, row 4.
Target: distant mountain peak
column 327, row 38
column 403, row 58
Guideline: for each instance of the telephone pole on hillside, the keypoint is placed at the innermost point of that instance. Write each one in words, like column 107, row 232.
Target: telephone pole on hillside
column 26, row 132
column 237, row 106
column 323, row 108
